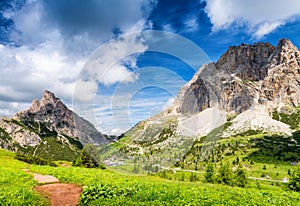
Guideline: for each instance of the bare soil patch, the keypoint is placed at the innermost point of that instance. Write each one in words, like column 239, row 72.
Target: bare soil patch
column 61, row 194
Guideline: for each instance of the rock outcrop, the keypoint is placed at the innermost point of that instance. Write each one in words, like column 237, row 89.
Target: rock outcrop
column 22, row 136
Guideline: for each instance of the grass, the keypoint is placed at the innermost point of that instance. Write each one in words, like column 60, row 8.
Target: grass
column 292, row 119
column 106, row 187
column 152, row 190
column 16, row 186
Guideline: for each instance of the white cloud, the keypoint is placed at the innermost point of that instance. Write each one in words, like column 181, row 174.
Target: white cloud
column 266, row 28
column 25, row 72
column 168, row 28
column 191, row 24
column 8, row 108
column 261, row 17
column 55, row 39
column 116, row 131
column 109, row 63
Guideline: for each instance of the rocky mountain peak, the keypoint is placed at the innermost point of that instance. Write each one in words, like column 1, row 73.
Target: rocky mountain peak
column 286, row 53
column 246, row 61
column 50, row 107
column 246, row 74
column 53, row 113
column 286, row 44
column 49, row 101
column 48, row 97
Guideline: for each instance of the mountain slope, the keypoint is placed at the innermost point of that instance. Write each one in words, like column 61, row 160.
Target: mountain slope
column 48, row 129
column 248, row 89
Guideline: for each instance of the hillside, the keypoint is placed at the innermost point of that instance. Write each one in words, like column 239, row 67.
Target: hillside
column 104, row 187
column 251, row 89
column 48, row 129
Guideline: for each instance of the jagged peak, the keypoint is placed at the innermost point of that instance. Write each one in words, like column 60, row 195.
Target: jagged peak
column 253, row 51
column 286, row 44
column 48, row 97
column 285, row 52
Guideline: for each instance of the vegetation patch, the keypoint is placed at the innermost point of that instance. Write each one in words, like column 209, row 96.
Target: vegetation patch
column 54, row 149
column 89, row 158
column 16, row 186
column 292, row 119
column 34, row 160
column 104, row 191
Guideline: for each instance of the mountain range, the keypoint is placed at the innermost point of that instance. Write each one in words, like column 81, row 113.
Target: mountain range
column 251, row 89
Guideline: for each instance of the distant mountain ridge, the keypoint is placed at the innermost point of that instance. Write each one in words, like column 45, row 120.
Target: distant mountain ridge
column 47, row 124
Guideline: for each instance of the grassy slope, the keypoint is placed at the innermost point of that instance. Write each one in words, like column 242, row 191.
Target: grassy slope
column 16, row 188
column 16, row 185
column 152, row 190
column 52, row 147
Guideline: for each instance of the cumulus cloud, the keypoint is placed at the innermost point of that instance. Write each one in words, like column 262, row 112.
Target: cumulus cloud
column 50, row 41
column 110, row 63
column 26, row 72
column 260, row 17
column 8, row 108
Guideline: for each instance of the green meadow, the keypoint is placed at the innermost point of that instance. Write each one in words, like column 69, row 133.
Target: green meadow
column 106, row 187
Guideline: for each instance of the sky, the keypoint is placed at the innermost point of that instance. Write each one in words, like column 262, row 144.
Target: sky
column 118, row 62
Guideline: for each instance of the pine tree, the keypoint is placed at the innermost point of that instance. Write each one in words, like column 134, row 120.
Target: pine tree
column 240, row 176
column 225, row 174
column 88, row 158
column 294, row 183
column 210, row 173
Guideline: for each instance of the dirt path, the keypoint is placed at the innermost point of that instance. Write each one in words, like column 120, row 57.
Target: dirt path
column 59, row 194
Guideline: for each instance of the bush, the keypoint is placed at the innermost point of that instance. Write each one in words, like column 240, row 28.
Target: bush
column 225, row 175
column 240, row 177
column 34, row 159
column 294, row 183
column 210, row 173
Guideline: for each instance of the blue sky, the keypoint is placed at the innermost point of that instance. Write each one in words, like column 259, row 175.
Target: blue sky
column 47, row 44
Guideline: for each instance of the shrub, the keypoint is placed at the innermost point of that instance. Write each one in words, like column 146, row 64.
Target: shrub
column 225, row 175
column 294, row 183
column 240, row 177
column 94, row 192
column 210, row 173
column 34, row 159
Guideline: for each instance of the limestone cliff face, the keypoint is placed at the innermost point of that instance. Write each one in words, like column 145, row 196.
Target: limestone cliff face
column 50, row 112
column 244, row 75
column 20, row 135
